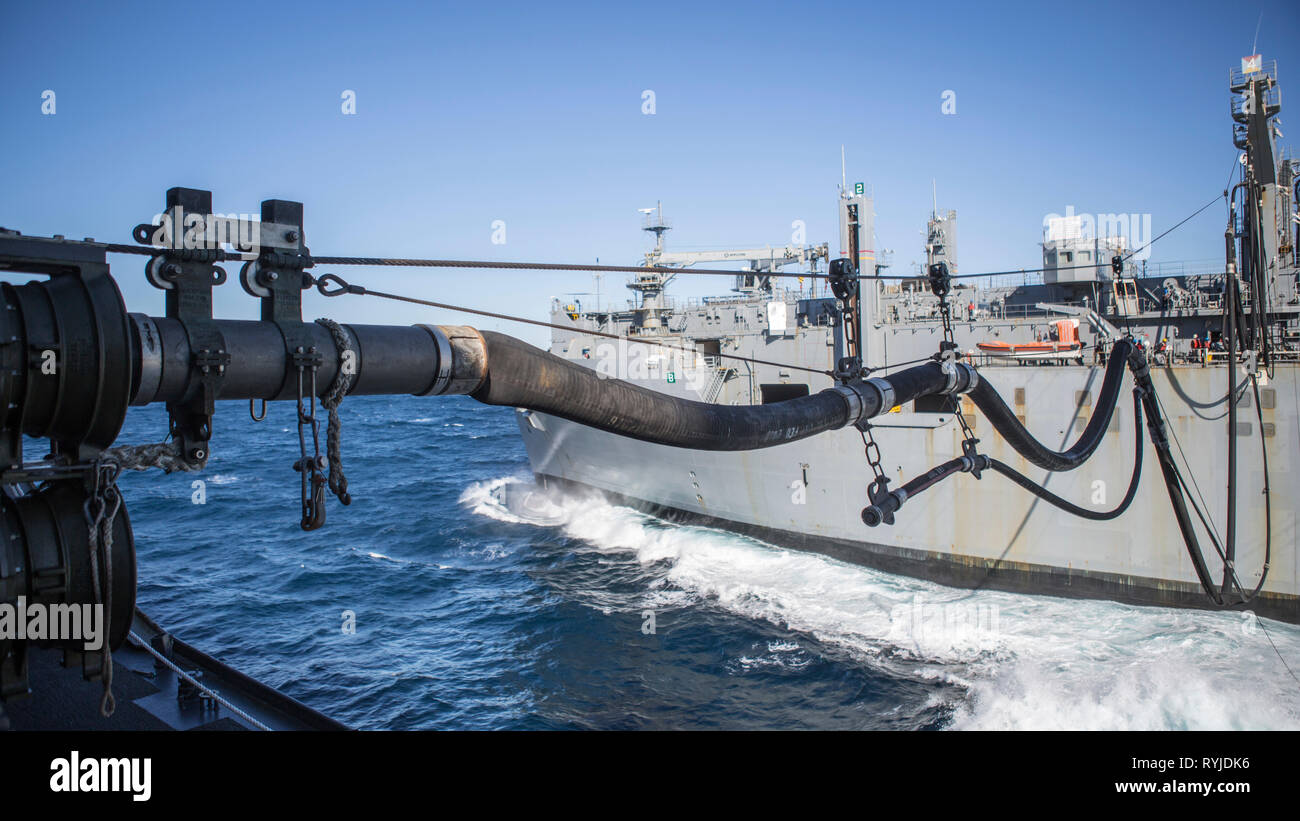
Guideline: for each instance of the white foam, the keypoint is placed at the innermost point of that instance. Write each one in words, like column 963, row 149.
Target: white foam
column 1021, row 661
column 386, row 558
column 481, row 501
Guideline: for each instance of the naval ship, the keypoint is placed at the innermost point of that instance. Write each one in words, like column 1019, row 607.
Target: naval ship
column 866, row 423
column 1229, row 406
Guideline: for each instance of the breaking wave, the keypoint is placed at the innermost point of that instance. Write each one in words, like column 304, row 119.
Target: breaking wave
column 1009, row 661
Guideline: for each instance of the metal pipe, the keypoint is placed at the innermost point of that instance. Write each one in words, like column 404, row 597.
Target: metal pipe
column 389, row 359
column 499, row 370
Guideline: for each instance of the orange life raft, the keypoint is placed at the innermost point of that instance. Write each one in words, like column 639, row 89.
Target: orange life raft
column 1066, row 343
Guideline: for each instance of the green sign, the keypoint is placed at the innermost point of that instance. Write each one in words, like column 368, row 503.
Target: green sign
column 672, row 377
column 858, row 189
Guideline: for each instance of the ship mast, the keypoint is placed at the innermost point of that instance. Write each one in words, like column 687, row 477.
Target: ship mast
column 651, row 284
column 1259, row 268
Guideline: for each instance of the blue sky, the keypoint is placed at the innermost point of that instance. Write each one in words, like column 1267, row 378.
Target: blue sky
column 532, row 114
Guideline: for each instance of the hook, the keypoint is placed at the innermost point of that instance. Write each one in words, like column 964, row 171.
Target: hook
column 313, row 508
column 343, row 286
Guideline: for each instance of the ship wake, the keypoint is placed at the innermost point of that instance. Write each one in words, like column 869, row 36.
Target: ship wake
column 1009, row 661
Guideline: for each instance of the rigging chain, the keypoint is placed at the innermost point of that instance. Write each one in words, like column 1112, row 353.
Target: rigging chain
column 941, row 284
column 307, row 361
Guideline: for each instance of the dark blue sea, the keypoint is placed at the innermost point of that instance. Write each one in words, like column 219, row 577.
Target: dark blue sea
column 600, row 617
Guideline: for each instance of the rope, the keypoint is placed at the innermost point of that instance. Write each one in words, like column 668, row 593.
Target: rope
column 164, row 455
column 345, row 288
column 399, row 262
column 217, row 255
column 338, row 483
column 106, row 501
column 213, row 694
column 1179, row 224
column 550, row 266
column 892, row 365
column 642, row 269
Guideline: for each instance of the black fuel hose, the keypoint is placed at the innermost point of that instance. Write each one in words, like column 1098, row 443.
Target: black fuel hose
column 874, row 514
column 986, row 398
column 1173, row 480
column 520, row 375
column 1124, row 354
column 1069, row 507
column 880, row 511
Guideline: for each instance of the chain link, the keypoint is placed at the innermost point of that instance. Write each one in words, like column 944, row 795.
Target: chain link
column 850, row 315
column 879, row 485
column 307, row 361
column 948, row 355
column 872, row 451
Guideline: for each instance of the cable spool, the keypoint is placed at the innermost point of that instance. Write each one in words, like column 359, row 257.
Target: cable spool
column 66, row 369
column 47, row 567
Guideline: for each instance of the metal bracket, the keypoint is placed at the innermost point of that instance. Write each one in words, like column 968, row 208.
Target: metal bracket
column 878, row 492
column 847, row 369
column 278, row 277
column 188, row 275
column 940, row 279
column 970, row 448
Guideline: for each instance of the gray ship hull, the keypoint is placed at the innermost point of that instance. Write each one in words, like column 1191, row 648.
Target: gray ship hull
column 987, row 533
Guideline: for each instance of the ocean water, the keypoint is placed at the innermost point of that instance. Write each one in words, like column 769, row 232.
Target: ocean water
column 469, row 617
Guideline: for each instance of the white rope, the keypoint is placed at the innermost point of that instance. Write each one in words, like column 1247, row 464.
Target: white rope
column 143, row 645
